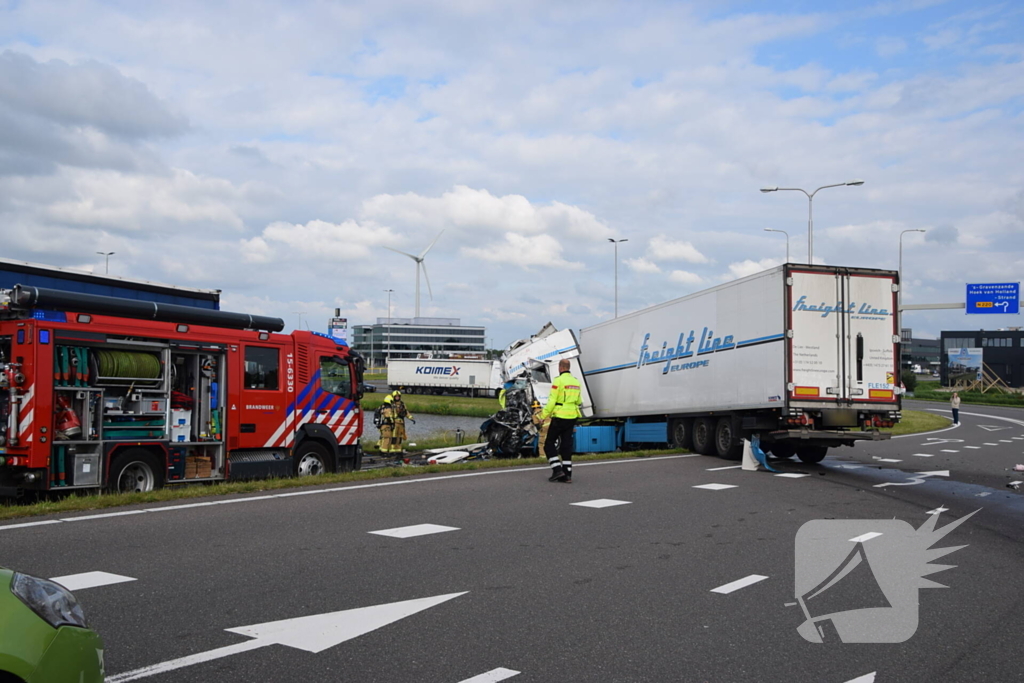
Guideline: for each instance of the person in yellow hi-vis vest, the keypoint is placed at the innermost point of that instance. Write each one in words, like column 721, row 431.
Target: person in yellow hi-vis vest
column 398, row 436
column 542, row 423
column 564, row 409
column 387, row 425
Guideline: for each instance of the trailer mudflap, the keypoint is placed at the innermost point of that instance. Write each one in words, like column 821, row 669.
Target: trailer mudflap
column 833, row 438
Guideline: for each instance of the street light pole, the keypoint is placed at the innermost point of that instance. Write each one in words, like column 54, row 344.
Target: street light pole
column 810, row 209
column 787, row 240
column 106, row 264
column 899, row 294
column 616, row 243
column 387, row 355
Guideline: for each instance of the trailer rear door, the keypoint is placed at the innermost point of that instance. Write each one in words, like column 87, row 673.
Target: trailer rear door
column 842, row 346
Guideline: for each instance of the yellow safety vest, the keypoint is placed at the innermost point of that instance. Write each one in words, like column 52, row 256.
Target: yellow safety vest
column 565, row 398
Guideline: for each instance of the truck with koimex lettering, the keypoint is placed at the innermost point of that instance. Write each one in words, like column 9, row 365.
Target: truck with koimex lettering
column 445, row 376
column 805, row 357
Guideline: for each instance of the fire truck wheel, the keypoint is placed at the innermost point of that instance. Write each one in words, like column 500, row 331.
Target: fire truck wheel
column 311, row 460
column 704, row 436
column 812, row 454
column 135, row 470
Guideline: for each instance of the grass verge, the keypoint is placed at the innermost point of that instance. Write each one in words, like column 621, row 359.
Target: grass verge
column 915, row 422
column 929, row 391
column 79, row 503
column 437, row 405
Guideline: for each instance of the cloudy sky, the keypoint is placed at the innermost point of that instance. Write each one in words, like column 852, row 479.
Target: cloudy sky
column 272, row 150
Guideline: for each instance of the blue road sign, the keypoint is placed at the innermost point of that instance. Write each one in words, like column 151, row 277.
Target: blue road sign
column 994, row 298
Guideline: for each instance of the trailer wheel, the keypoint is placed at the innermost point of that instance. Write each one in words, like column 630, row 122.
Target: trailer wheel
column 783, row 451
column 682, row 434
column 135, row 471
column 704, row 436
column 812, row 454
column 727, row 440
column 311, row 460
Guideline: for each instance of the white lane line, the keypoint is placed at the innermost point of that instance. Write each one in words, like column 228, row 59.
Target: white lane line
column 1005, row 441
column 851, row 467
column 982, row 495
column 719, row 469
column 875, row 457
column 1017, row 438
column 865, row 537
column 414, row 530
column 105, row 514
column 77, row 582
column 715, row 487
column 866, row 678
column 359, row 487
column 792, row 475
column 990, row 444
column 973, row 448
column 492, row 676
column 924, row 455
column 938, row 510
column 950, row 450
column 602, row 503
column 738, row 584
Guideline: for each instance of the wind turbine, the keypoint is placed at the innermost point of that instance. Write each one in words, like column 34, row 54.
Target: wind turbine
column 420, row 265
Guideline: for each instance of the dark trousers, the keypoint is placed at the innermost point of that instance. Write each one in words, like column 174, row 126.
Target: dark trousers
column 956, row 415
column 560, row 456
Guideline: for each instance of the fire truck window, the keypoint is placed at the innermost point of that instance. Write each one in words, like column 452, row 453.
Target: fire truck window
column 261, row 367
column 335, row 377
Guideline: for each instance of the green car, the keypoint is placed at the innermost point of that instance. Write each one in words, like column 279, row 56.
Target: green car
column 43, row 637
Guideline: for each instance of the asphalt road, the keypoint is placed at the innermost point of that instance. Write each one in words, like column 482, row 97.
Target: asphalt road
column 529, row 582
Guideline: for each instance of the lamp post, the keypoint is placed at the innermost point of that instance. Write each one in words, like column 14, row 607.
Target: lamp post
column 899, row 295
column 300, row 314
column 106, row 260
column 616, row 243
column 810, row 209
column 387, row 355
column 787, row 240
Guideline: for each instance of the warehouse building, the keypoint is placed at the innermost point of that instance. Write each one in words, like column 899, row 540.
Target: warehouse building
column 417, row 338
column 1002, row 352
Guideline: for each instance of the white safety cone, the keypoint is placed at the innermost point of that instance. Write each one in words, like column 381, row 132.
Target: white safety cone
column 749, row 461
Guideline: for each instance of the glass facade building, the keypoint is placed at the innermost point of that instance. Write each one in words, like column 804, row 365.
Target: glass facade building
column 416, row 338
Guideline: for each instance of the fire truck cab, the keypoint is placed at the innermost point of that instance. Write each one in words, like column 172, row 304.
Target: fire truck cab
column 126, row 395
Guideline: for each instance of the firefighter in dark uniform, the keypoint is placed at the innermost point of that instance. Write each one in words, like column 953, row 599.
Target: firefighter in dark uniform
column 564, row 409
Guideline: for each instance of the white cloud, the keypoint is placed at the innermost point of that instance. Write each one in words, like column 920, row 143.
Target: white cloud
column 318, row 240
column 750, row 267
column 524, row 252
column 685, row 277
column 890, row 46
column 642, row 265
column 661, row 248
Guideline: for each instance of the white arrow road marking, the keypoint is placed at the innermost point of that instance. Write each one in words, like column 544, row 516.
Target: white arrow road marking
column 314, row 633
column 937, row 511
column 492, row 676
column 602, row 503
column 866, row 678
column 865, row 537
column 414, row 530
column 738, row 584
column 916, row 479
column 939, row 442
column 715, row 487
column 77, row 582
column 993, row 428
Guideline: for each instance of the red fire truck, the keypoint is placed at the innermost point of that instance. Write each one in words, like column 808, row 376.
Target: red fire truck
column 128, row 395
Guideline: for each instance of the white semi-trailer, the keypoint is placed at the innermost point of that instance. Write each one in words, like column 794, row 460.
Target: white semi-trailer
column 803, row 356
column 467, row 377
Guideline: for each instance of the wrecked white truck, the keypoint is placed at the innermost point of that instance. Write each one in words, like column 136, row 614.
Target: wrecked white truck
column 805, row 357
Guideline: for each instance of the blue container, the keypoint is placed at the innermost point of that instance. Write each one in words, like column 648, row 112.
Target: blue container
column 645, row 432
column 599, row 439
